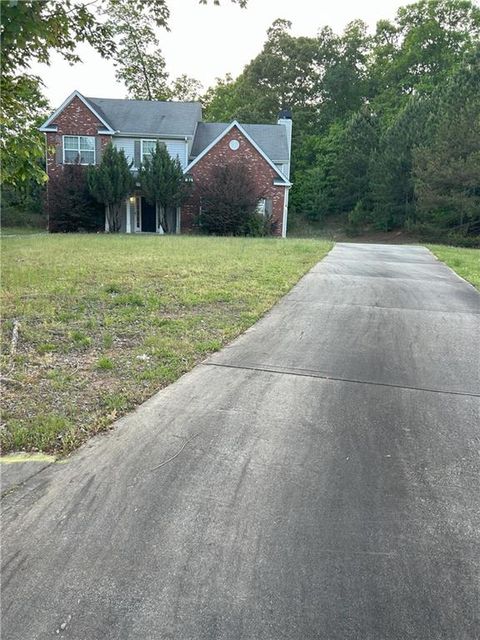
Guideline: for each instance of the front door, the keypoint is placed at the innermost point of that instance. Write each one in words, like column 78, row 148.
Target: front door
column 149, row 217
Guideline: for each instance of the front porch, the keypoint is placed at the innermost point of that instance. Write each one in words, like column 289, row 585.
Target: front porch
column 139, row 216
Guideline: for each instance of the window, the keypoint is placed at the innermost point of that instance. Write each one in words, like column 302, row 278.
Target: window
column 262, row 206
column 79, row 149
column 148, row 147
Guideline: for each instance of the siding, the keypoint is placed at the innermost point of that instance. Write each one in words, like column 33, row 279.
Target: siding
column 283, row 168
column 175, row 148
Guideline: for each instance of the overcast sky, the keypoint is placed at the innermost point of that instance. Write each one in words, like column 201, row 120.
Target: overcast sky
column 207, row 42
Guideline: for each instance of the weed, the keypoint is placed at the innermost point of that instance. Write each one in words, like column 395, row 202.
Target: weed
column 104, row 363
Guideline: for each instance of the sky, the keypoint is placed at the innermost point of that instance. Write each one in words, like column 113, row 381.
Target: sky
column 206, row 42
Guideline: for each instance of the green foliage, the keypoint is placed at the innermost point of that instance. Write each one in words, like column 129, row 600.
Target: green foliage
column 70, row 206
column 23, row 206
column 391, row 180
column 446, row 167
column 362, row 105
column 110, row 182
column 162, row 181
column 229, row 201
column 313, row 193
column 350, row 171
column 22, row 146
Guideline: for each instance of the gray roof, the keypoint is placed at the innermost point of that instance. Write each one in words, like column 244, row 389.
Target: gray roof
column 149, row 116
column 271, row 138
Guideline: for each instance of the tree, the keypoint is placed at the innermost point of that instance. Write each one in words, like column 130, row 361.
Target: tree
column 70, row 206
column 185, row 88
column 416, row 52
column 162, row 182
column 446, row 168
column 313, row 193
column 391, row 179
column 22, row 145
column 228, row 201
column 110, row 182
column 350, row 169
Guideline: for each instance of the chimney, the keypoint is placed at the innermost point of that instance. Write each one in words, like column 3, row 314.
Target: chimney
column 285, row 118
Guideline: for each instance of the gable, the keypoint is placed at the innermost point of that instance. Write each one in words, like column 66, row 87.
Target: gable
column 271, row 138
column 76, row 108
column 218, row 147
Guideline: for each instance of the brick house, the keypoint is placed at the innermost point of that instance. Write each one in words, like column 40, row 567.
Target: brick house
column 81, row 127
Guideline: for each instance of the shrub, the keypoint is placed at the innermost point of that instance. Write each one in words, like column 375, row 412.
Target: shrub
column 229, row 202
column 69, row 203
column 23, row 206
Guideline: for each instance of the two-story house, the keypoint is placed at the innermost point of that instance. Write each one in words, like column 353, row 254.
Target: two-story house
column 81, row 127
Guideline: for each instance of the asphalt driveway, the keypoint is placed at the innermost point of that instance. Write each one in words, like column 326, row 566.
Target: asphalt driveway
column 317, row 479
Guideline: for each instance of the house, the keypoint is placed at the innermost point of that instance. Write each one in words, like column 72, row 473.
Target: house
column 81, row 127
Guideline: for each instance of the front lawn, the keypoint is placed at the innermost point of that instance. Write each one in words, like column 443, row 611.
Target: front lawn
column 105, row 321
column 21, row 231
column 466, row 262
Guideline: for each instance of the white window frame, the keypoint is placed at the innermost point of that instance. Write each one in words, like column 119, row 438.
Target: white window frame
column 141, row 146
column 262, row 207
column 79, row 150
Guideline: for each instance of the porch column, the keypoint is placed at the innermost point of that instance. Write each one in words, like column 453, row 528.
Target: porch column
column 158, row 211
column 177, row 221
column 128, row 225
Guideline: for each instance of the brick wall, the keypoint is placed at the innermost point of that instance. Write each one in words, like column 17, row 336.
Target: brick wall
column 221, row 154
column 76, row 120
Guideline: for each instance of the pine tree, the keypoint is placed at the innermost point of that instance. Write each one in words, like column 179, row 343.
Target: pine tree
column 391, row 179
column 110, row 182
column 162, row 181
column 447, row 167
column 350, row 171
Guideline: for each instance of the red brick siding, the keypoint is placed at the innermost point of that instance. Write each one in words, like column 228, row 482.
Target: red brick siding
column 221, row 154
column 76, row 120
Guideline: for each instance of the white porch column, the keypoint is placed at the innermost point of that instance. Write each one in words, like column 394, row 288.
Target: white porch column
column 107, row 222
column 177, row 225
column 128, row 225
column 158, row 211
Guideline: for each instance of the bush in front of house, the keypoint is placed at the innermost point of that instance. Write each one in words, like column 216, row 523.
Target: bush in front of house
column 228, row 203
column 70, row 206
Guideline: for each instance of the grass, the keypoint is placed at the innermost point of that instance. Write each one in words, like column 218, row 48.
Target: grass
column 466, row 262
column 21, row 231
column 105, row 321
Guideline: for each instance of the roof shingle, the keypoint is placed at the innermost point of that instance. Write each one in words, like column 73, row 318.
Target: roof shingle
column 148, row 116
column 271, row 138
